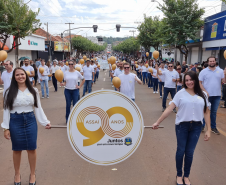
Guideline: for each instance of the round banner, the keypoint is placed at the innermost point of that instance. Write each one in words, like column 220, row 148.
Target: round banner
column 105, row 127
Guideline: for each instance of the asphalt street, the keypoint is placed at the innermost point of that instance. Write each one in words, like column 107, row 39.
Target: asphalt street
column 153, row 163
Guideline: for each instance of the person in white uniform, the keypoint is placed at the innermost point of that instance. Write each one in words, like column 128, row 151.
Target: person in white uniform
column 29, row 68
column 53, row 69
column 19, row 121
column 44, row 78
column 161, row 79
column 88, row 73
column 193, row 105
column 128, row 81
column 6, row 76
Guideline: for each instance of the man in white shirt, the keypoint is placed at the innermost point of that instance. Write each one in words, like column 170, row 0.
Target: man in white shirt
column 128, row 82
column 88, row 72
column 97, row 72
column 119, row 70
column 210, row 80
column 53, row 69
column 28, row 67
column 6, row 76
column 81, row 71
column 171, row 77
column 95, row 69
column 44, row 78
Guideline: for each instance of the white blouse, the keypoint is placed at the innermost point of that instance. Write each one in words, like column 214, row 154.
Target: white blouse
column 24, row 102
column 190, row 108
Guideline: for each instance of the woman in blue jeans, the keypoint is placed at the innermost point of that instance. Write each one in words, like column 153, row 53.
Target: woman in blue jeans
column 155, row 79
column 188, row 126
column 71, row 91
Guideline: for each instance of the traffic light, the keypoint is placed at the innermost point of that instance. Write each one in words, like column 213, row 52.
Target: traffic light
column 100, row 39
column 118, row 27
column 95, row 28
column 61, row 35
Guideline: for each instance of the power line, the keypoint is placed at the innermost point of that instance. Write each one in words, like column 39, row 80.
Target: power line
column 143, row 11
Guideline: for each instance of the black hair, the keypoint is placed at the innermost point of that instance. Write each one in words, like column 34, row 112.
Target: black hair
column 197, row 88
column 12, row 91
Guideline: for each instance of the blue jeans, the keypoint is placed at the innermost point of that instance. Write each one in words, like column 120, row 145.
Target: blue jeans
column 87, row 84
column 42, row 87
column 150, row 82
column 161, row 85
column 54, row 80
column 179, row 87
column 144, row 75
column 70, row 95
column 139, row 75
column 96, row 76
column 167, row 90
column 215, row 101
column 187, row 138
column 155, row 84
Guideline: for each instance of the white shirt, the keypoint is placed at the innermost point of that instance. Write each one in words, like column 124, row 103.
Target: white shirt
column 162, row 77
column 54, row 68
column 144, row 69
column 45, row 73
column 132, row 62
column 190, row 108
column 211, row 80
column 149, row 68
column 128, row 84
column 118, row 72
column 169, row 76
column 6, row 78
column 24, row 102
column 29, row 68
column 94, row 66
column 71, row 79
column 88, row 72
column 154, row 74
column 63, row 69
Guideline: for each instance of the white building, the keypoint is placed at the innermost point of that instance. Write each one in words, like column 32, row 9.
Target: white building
column 93, row 39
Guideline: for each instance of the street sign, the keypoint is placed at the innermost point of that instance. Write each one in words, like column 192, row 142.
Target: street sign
column 105, row 127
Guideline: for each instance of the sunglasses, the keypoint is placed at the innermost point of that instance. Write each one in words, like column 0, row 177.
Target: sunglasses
column 126, row 67
column 170, row 66
column 70, row 64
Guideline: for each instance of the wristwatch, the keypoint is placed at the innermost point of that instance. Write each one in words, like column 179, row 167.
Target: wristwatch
column 4, row 129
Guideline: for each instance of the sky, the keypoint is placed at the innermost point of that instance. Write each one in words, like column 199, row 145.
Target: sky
column 104, row 13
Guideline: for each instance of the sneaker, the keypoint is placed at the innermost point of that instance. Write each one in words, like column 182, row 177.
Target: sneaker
column 167, row 98
column 47, row 96
column 43, row 97
column 153, row 92
column 160, row 96
column 174, row 110
column 149, row 87
column 203, row 129
column 215, row 131
column 112, row 85
column 156, row 92
column 163, row 109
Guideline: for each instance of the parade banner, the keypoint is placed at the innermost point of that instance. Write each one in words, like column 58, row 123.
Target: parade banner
column 105, row 127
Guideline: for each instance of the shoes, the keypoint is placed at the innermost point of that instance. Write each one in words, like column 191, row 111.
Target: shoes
column 43, row 97
column 184, row 182
column 215, row 131
column 174, row 110
column 47, row 96
column 17, row 183
column 160, row 96
column 30, row 183
column 177, row 183
column 149, row 87
column 163, row 109
column 153, row 92
column 156, row 92
column 55, row 91
column 112, row 85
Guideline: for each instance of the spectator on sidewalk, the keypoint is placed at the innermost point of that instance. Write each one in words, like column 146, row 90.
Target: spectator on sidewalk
column 184, row 67
column 29, row 68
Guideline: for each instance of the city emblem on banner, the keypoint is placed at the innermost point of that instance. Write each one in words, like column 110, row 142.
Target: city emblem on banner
column 105, row 127
column 214, row 30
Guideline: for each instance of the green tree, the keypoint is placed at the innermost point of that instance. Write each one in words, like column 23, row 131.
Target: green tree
column 150, row 32
column 16, row 19
column 128, row 46
column 181, row 23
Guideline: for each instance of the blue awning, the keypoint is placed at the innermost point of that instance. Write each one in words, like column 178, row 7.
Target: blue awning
column 216, row 48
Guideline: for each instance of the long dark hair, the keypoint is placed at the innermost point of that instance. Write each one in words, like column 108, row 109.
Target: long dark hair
column 11, row 92
column 197, row 88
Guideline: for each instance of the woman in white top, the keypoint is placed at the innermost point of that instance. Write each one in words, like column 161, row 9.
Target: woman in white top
column 19, row 122
column 53, row 69
column 155, row 79
column 192, row 105
column 71, row 91
column 150, row 83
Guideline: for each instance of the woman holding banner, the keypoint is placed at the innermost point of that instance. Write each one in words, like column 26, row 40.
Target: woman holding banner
column 19, row 121
column 188, row 126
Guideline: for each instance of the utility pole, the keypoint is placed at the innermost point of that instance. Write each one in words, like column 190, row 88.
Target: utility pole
column 133, row 32
column 70, row 35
